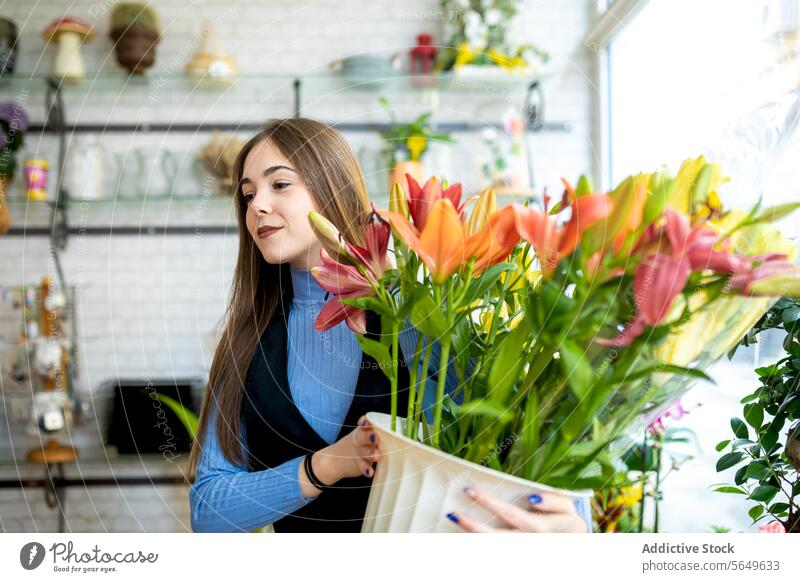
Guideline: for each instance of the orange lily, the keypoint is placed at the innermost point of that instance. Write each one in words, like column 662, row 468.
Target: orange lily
column 502, row 235
column 551, row 243
column 444, row 243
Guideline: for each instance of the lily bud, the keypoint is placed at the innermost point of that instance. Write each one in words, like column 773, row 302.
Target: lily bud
column 661, row 185
column 329, row 236
column 584, row 187
column 484, row 208
column 398, row 202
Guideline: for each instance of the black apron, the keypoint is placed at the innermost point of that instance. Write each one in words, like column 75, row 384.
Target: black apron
column 277, row 432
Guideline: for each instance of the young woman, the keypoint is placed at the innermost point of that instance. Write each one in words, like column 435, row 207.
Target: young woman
column 282, row 437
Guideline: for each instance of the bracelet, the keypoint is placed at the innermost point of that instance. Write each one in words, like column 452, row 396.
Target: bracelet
column 312, row 476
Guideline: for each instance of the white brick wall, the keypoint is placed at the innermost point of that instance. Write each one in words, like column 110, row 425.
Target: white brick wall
column 148, row 305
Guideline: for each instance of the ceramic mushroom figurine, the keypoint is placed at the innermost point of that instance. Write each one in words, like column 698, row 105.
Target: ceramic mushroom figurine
column 68, row 33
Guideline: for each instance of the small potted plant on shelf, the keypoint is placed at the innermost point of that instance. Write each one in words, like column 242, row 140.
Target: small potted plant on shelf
column 68, row 34
column 766, row 452
column 564, row 334
column 135, row 30
column 478, row 43
column 13, row 125
column 407, row 143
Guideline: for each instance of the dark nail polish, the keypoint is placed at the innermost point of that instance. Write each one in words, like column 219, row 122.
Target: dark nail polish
column 372, row 438
column 469, row 491
column 535, row 499
column 452, row 517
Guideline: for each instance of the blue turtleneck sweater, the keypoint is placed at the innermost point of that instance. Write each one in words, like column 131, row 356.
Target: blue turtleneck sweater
column 323, row 369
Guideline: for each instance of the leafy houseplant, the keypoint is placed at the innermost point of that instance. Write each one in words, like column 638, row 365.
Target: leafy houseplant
column 406, row 144
column 563, row 333
column 766, row 451
column 135, row 30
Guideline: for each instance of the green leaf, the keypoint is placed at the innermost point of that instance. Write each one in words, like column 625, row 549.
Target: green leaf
column 740, row 477
column 729, row 460
column 756, row 470
column 764, row 493
column 484, row 407
column 507, row 364
column 779, row 507
column 576, row 368
column 379, row 352
column 427, row 317
column 791, row 314
column 722, row 444
column 755, row 512
column 739, row 428
column 768, row 440
column 729, row 489
column 774, row 213
column 754, row 415
column 530, row 431
column 479, row 286
column 371, row 303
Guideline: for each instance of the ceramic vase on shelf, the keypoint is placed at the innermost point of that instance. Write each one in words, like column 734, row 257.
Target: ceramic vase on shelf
column 415, row 168
column 415, row 486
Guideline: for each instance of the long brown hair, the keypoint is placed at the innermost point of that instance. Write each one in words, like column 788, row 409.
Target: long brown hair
column 331, row 173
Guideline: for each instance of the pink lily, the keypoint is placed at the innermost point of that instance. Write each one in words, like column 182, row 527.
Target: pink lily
column 661, row 277
column 376, row 242
column 345, row 282
column 761, row 267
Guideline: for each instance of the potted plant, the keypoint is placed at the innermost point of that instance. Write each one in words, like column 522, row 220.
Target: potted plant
column 13, row 125
column 766, row 452
column 135, row 31
column 68, row 33
column 563, row 335
column 407, row 143
column 477, row 40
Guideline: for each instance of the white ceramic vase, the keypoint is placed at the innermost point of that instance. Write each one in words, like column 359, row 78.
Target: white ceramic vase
column 415, row 486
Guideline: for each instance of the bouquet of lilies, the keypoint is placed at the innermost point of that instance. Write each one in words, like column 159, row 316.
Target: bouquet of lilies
column 566, row 324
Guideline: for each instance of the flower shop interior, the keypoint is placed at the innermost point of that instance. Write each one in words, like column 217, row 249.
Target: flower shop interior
column 121, row 124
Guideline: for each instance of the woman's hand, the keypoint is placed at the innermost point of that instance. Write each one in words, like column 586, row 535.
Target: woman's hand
column 350, row 456
column 549, row 513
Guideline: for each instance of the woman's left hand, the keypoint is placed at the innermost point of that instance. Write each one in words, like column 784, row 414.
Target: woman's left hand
column 549, row 513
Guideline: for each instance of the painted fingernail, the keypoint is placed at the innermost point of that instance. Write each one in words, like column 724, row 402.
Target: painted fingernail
column 469, row 491
column 372, row 438
column 535, row 499
column 452, row 517
column 361, row 421
column 368, row 472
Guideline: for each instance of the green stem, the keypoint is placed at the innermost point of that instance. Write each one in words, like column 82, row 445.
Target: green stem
column 443, row 361
column 414, row 381
column 421, row 392
column 395, row 365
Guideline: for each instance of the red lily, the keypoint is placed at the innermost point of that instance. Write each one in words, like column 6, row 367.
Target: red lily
column 422, row 199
